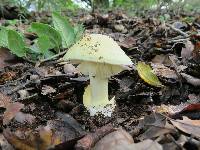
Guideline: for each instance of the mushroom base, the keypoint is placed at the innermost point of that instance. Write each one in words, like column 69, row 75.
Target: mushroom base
column 105, row 107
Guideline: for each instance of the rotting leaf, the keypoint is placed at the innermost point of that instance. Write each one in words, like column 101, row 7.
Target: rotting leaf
column 49, row 138
column 186, row 52
column 11, row 108
column 154, row 125
column 5, row 55
column 121, row 140
column 43, row 140
column 115, row 140
column 146, row 144
column 22, row 117
column 191, row 80
column 146, row 73
column 188, row 126
column 163, row 71
column 47, row 90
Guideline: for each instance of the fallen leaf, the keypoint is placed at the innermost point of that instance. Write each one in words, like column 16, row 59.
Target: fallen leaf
column 89, row 141
column 162, row 59
column 47, row 90
column 146, row 73
column 4, row 100
column 119, row 139
column 163, row 71
column 186, row 51
column 49, row 138
column 4, row 143
column 154, row 125
column 144, row 145
column 7, row 76
column 191, row 80
column 69, row 69
column 188, row 126
column 5, row 55
column 128, row 42
column 22, row 117
column 11, row 110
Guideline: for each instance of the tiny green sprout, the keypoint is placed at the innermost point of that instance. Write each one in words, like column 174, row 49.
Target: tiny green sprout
column 100, row 57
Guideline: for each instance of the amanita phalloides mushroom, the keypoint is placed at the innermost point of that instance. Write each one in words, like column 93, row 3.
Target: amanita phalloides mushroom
column 100, row 57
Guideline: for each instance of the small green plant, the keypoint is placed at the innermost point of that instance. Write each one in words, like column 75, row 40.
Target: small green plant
column 49, row 42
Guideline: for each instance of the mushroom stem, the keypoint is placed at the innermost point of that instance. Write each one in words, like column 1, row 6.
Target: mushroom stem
column 96, row 97
column 99, row 91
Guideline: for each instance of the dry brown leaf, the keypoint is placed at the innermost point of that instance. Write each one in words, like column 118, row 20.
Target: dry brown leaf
column 114, row 140
column 163, row 71
column 4, row 100
column 45, row 140
column 22, row 117
column 5, row 55
column 186, row 52
column 11, row 110
column 188, row 126
column 49, row 139
column 121, row 140
column 145, row 145
column 47, row 90
column 191, row 80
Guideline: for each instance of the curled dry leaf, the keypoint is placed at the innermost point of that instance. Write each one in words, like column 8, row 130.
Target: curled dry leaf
column 186, row 52
column 115, row 140
column 69, row 69
column 162, row 59
column 155, row 125
column 44, row 140
column 11, row 108
column 121, row 140
column 188, row 126
column 22, row 117
column 47, row 90
column 163, row 71
column 191, row 80
column 146, row 73
column 4, row 143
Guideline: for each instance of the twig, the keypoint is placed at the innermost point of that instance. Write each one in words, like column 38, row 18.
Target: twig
column 87, row 142
column 53, row 57
column 177, row 30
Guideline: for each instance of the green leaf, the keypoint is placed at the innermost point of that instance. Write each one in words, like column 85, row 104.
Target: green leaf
column 79, row 30
column 66, row 30
column 3, row 37
column 43, row 44
column 146, row 73
column 45, row 30
column 16, row 43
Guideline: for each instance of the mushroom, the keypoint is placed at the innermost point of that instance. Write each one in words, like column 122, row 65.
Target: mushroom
column 100, row 57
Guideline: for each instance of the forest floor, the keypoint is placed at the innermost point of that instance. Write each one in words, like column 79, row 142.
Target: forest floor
column 42, row 105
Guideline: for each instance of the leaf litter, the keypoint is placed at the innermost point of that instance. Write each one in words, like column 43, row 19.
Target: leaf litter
column 151, row 117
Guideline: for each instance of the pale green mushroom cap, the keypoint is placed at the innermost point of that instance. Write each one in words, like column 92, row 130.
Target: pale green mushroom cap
column 98, row 48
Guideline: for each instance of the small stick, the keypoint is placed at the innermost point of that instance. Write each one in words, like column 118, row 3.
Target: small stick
column 87, row 142
column 50, row 58
column 177, row 30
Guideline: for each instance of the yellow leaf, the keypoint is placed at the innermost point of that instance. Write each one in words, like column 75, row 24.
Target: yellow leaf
column 146, row 73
